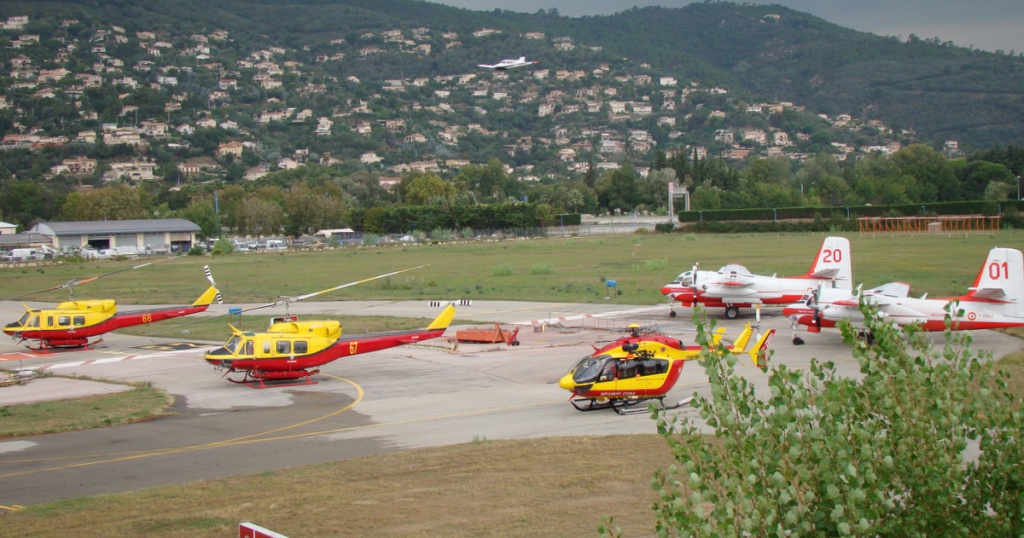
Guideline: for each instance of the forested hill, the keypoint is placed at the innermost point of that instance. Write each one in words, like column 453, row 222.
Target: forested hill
column 766, row 52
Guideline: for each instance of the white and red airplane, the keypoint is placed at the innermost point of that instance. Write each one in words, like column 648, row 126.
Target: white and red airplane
column 995, row 300
column 734, row 287
column 510, row 64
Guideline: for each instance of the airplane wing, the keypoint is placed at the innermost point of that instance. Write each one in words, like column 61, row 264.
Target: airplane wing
column 891, row 289
column 485, row 66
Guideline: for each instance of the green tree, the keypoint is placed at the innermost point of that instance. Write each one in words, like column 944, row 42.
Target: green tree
column 824, row 455
column 115, row 202
column 259, row 217
column 425, row 187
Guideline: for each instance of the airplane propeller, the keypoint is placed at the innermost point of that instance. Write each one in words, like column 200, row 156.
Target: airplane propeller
column 69, row 285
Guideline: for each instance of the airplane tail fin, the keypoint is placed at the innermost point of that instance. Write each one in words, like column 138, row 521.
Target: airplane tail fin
column 759, row 355
column 442, row 321
column 1001, row 279
column 833, row 262
column 740, row 345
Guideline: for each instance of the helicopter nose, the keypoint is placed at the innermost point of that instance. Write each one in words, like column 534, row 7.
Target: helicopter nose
column 567, row 383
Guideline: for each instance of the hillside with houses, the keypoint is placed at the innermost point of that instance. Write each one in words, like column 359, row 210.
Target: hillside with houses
column 91, row 103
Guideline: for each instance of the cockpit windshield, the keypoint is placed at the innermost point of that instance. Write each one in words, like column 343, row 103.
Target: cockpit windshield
column 28, row 319
column 233, row 344
column 685, row 279
column 589, row 369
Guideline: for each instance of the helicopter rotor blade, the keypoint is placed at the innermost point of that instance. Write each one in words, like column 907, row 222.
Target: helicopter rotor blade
column 79, row 282
column 288, row 300
column 335, row 288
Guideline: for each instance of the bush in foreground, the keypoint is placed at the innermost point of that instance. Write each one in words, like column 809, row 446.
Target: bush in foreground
column 927, row 443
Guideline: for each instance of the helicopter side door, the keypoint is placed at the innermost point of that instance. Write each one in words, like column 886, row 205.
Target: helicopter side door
column 642, row 374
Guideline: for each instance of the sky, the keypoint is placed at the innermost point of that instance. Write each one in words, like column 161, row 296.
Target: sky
column 982, row 24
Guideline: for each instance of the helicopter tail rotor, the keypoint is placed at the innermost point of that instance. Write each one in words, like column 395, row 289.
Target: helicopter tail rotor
column 209, row 276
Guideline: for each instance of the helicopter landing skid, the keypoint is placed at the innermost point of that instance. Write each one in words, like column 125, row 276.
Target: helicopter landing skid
column 661, row 407
column 593, row 404
column 259, row 380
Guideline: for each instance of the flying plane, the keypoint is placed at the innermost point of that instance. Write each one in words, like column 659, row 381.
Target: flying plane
column 291, row 349
column 642, row 367
column 734, row 287
column 995, row 300
column 72, row 323
column 510, row 64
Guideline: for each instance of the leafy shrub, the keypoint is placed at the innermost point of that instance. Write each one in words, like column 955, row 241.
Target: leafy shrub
column 541, row 269
column 504, row 269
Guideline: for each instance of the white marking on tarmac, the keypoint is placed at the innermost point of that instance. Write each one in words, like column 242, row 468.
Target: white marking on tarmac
column 610, row 313
column 75, row 364
column 14, row 446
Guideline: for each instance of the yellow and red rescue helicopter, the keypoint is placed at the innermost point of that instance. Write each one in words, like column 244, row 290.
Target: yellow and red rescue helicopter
column 643, row 367
column 72, row 323
column 291, row 349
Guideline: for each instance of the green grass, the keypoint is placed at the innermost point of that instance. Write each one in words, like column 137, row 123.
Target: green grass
column 937, row 264
column 141, row 403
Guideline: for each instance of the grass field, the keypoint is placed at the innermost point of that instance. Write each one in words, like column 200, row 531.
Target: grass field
column 552, row 269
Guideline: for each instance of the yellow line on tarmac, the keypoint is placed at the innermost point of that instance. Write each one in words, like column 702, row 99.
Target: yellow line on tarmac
column 257, row 438
column 119, row 456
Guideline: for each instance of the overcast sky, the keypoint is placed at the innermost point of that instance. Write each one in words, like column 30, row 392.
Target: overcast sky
column 985, row 24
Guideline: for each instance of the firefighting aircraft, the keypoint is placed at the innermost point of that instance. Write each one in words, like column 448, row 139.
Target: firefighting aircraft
column 72, row 323
column 996, row 300
column 643, row 367
column 509, row 64
column 733, row 286
column 291, row 349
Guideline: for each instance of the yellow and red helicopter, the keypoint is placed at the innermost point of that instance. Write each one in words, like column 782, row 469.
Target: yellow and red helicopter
column 291, row 349
column 72, row 323
column 643, row 366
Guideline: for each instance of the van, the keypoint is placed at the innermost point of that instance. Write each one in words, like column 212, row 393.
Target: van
column 276, row 244
column 25, row 255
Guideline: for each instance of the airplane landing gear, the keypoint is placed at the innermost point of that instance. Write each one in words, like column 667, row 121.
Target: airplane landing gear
column 732, row 312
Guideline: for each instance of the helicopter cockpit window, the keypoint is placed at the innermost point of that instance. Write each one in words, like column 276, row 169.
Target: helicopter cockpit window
column 232, row 344
column 79, row 321
column 301, row 346
column 610, row 371
column 248, row 347
column 589, row 368
column 284, row 346
column 63, row 320
column 25, row 318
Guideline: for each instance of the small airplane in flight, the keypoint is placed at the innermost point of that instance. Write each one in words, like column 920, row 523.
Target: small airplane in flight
column 734, row 287
column 72, row 323
column 510, row 64
column 996, row 300
column 642, row 367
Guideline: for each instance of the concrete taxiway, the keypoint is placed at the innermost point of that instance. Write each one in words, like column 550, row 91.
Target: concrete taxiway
column 398, row 399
